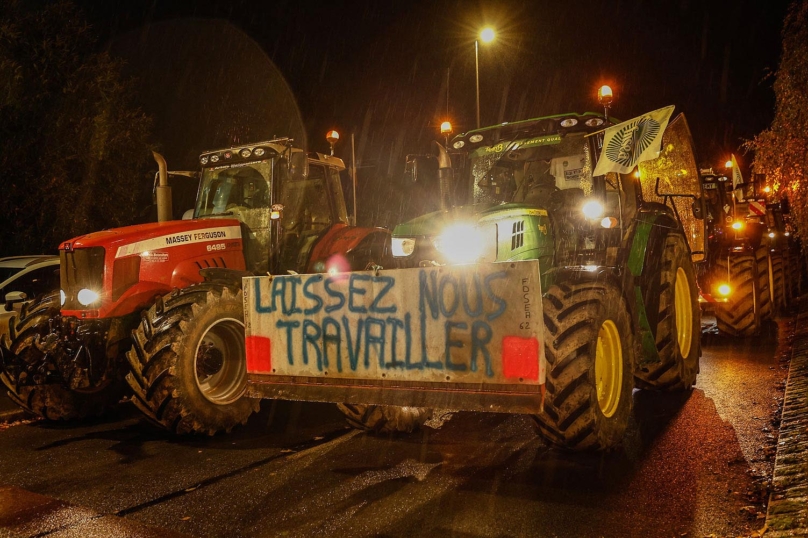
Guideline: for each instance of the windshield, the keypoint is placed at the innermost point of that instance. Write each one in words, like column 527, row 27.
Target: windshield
column 529, row 170
column 238, row 187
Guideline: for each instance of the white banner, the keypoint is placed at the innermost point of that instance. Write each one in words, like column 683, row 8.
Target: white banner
column 737, row 180
column 479, row 324
column 632, row 142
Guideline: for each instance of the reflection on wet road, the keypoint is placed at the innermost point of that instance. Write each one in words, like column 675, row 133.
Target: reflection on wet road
column 693, row 463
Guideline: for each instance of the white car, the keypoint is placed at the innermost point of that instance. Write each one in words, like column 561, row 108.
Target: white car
column 21, row 279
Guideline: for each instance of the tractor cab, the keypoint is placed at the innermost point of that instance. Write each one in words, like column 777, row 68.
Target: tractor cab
column 526, row 190
column 284, row 199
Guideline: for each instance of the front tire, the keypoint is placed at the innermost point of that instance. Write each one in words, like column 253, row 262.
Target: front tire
column 678, row 329
column 188, row 362
column 30, row 372
column 589, row 353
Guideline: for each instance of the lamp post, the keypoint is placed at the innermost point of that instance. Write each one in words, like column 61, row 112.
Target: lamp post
column 605, row 98
column 487, row 35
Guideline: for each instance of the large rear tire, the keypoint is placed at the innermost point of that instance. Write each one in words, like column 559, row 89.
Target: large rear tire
column 737, row 316
column 30, row 373
column 678, row 329
column 188, row 361
column 778, row 283
column 384, row 418
column 767, row 301
column 589, row 351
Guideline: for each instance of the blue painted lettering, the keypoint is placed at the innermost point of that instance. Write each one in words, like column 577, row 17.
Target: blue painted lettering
column 375, row 339
column 494, row 297
column 453, row 343
column 261, row 309
column 318, row 303
column 464, row 291
column 353, row 291
column 289, row 326
column 333, row 293
column 388, row 282
column 480, row 336
column 332, row 340
column 448, row 311
column 353, row 344
column 311, row 338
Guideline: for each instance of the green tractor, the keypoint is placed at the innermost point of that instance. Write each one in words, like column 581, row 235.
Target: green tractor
column 616, row 252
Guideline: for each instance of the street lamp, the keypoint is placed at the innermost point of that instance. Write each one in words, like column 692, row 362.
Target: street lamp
column 487, row 35
column 605, row 98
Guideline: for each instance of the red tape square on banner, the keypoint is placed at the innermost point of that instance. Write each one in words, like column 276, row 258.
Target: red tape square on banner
column 259, row 360
column 520, row 357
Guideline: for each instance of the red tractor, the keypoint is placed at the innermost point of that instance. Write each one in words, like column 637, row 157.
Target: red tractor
column 160, row 304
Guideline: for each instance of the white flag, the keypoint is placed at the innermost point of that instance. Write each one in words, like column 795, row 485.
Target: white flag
column 632, row 142
column 737, row 179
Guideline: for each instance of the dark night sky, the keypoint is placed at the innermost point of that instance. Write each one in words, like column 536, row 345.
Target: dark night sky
column 379, row 68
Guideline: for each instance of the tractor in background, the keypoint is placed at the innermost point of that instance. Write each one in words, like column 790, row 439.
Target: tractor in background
column 752, row 269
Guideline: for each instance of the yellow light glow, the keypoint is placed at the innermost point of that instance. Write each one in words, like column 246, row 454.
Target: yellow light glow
column 487, row 35
column 637, row 174
column 724, row 290
column 737, row 225
column 460, row 243
column 605, row 92
column 87, row 296
column 767, row 189
column 728, row 164
column 592, row 209
column 608, row 222
column 445, row 127
column 402, row 246
column 771, row 235
column 332, row 136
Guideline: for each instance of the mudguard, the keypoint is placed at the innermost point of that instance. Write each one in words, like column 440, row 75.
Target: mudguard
column 350, row 248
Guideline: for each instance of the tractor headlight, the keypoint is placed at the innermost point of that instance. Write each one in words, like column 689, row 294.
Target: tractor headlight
column 724, row 290
column 460, row 243
column 592, row 209
column 737, row 225
column 87, row 297
column 62, row 297
column 402, row 246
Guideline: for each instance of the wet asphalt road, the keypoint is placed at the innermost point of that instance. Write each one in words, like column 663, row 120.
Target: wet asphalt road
column 692, row 466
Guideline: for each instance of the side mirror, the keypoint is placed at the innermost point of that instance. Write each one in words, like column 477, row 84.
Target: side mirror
column 14, row 297
column 298, row 166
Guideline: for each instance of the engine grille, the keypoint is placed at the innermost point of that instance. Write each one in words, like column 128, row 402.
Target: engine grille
column 81, row 268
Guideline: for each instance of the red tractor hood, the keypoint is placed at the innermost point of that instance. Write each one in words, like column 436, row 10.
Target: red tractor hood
column 154, row 235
